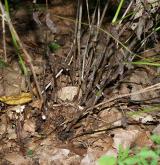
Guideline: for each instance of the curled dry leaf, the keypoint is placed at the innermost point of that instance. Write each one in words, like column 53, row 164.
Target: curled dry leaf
column 51, row 155
column 143, row 139
column 139, row 79
column 36, row 18
column 50, row 24
column 90, row 158
column 68, row 93
column 29, row 126
column 125, row 138
column 143, row 118
column 17, row 159
column 112, row 116
column 154, row 5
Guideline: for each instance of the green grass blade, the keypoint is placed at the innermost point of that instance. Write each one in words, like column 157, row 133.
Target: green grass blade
column 107, row 160
column 21, row 61
column 117, row 12
column 6, row 6
column 145, row 63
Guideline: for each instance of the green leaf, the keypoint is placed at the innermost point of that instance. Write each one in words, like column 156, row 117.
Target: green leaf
column 107, row 160
column 123, row 153
column 154, row 162
column 120, row 163
column 131, row 160
column 117, row 11
column 145, row 153
column 157, row 29
column 6, row 6
column 158, row 151
column 155, row 138
column 54, row 46
column 144, row 162
column 99, row 93
column 30, row 153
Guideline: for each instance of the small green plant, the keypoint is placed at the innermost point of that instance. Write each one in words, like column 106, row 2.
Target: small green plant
column 104, row 160
column 30, row 153
column 3, row 64
column 53, row 46
column 145, row 156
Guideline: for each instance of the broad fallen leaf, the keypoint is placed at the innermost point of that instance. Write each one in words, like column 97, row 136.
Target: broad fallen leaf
column 16, row 100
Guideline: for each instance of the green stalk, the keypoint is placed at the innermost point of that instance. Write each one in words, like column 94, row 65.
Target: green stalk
column 6, row 7
column 157, row 29
column 21, row 61
column 145, row 63
column 117, row 12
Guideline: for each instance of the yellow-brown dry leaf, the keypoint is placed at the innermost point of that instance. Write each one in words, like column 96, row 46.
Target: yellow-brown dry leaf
column 16, row 100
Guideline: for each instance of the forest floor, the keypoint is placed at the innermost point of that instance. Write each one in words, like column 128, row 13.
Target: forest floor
column 99, row 86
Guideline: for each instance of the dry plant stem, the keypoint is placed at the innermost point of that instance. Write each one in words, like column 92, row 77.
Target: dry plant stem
column 108, row 103
column 87, row 47
column 4, row 39
column 60, row 71
column 79, row 36
column 97, row 31
column 85, row 51
column 89, row 21
column 90, row 45
column 98, row 17
column 4, row 34
column 104, row 12
column 96, row 62
column 101, row 29
column 25, row 54
column 75, row 43
column 128, row 8
column 144, row 90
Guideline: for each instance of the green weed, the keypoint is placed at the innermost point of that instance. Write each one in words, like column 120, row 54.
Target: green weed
column 145, row 156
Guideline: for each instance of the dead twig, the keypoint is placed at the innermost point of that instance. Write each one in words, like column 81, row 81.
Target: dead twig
column 144, row 90
column 4, row 35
